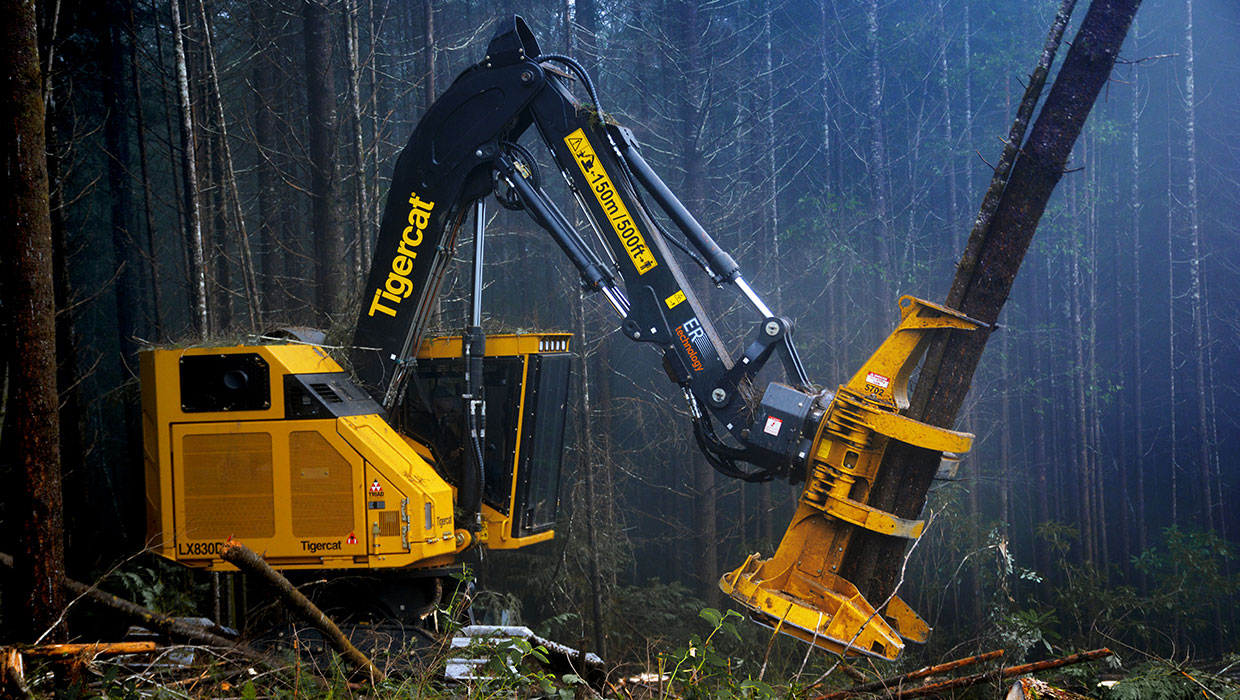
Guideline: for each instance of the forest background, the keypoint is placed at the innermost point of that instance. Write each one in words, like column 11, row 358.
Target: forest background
column 839, row 149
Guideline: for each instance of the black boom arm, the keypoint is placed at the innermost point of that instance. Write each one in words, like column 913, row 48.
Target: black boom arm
column 465, row 146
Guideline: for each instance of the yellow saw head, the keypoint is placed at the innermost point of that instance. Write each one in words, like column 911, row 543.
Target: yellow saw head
column 799, row 591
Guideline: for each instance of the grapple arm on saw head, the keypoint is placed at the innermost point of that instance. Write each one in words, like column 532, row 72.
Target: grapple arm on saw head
column 798, row 591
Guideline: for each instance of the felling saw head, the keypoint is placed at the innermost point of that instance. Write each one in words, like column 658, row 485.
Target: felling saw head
column 799, row 591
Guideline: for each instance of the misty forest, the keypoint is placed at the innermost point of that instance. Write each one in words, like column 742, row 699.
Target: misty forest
column 186, row 174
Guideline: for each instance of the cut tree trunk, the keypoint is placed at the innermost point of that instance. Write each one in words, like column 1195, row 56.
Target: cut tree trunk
column 985, row 276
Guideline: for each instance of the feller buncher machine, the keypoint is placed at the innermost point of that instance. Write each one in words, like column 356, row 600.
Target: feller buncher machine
column 433, row 446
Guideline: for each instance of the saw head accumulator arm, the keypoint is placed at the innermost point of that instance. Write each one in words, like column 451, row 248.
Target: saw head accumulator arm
column 466, row 147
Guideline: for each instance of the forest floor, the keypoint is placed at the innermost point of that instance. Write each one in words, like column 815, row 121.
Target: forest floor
column 516, row 668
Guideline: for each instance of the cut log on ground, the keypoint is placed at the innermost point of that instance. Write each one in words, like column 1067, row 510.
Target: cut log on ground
column 245, row 559
column 897, row 681
column 999, row 674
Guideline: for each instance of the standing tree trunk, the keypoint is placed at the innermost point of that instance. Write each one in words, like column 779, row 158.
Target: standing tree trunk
column 227, row 181
column 770, row 222
column 428, row 37
column 361, row 230
column 986, row 273
column 1196, row 295
column 877, row 165
column 1172, row 332
column 189, row 182
column 271, row 256
column 129, row 301
column 32, row 423
column 324, row 176
column 1080, row 462
column 1138, row 378
column 591, row 456
column 690, row 115
column 152, row 256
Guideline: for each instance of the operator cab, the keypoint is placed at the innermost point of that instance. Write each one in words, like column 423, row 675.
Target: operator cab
column 525, row 382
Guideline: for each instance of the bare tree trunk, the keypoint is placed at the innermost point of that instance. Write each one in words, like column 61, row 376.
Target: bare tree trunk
column 1201, row 340
column 1042, row 398
column 228, row 176
column 590, row 458
column 877, row 165
column 1138, row 373
column 189, row 179
column 151, row 253
column 1080, row 415
column 268, row 178
column 688, row 34
column 116, row 144
column 1197, row 298
column 325, row 177
column 770, row 222
column 76, row 491
column 361, row 231
column 32, row 422
column 968, row 111
column 953, row 217
column 428, row 35
column 1080, row 463
column 1172, row 332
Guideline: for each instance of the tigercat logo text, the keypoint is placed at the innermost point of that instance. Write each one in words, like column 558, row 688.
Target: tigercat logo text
column 316, row 547
column 398, row 286
column 605, row 192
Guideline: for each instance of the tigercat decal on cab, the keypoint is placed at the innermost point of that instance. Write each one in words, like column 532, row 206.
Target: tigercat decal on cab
column 605, row 192
column 398, row 286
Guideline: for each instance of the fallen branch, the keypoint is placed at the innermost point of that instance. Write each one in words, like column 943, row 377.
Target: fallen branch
column 896, row 681
column 998, row 674
column 158, row 621
column 245, row 559
column 96, row 649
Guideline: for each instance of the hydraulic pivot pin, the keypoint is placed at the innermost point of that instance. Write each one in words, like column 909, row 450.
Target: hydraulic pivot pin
column 798, row 591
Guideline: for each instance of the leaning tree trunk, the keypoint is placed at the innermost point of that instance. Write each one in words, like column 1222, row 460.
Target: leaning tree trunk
column 32, row 419
column 985, row 275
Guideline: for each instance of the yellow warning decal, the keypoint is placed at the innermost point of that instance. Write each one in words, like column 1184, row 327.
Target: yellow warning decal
column 609, row 200
column 674, row 299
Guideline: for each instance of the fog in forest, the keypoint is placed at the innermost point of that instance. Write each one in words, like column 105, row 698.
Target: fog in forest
column 838, row 150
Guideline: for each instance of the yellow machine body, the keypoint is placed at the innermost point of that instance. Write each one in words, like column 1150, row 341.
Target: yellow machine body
column 275, row 446
column 799, row 591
